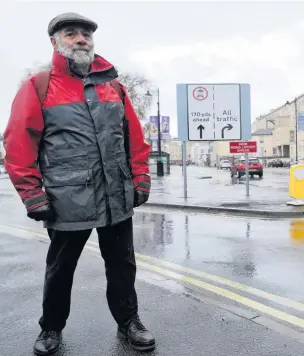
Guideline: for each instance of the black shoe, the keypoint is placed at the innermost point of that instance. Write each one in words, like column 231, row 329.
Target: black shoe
column 48, row 342
column 137, row 335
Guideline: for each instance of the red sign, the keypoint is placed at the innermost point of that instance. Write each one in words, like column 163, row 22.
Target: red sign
column 243, row 147
column 200, row 93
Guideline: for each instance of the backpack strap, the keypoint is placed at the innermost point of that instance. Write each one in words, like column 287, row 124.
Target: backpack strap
column 116, row 85
column 42, row 84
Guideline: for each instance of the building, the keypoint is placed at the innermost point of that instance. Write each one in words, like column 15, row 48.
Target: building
column 275, row 134
column 175, row 150
column 280, row 126
column 200, row 153
column 264, row 140
column 197, row 152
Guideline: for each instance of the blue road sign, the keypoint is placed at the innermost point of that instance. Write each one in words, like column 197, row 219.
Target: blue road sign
column 213, row 112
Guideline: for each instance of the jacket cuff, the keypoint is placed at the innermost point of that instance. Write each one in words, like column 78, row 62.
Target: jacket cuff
column 142, row 182
column 35, row 202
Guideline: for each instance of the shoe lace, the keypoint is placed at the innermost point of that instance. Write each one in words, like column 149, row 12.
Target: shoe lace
column 45, row 334
column 138, row 324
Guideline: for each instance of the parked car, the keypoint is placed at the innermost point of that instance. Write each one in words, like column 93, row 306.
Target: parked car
column 225, row 164
column 255, row 167
column 286, row 164
column 276, row 163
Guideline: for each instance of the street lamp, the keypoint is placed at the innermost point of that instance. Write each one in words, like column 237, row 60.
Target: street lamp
column 160, row 164
column 296, row 127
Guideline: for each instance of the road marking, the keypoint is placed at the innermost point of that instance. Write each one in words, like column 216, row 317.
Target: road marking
column 227, row 294
column 238, row 286
column 278, row 314
column 242, row 287
column 93, row 246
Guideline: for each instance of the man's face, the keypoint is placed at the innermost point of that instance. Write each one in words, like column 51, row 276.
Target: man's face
column 76, row 43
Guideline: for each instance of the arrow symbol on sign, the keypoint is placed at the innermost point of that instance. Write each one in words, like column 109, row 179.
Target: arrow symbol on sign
column 201, row 128
column 228, row 127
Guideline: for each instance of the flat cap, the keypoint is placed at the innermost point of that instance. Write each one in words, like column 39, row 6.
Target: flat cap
column 70, row 18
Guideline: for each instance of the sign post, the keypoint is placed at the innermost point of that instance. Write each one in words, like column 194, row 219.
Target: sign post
column 185, row 169
column 244, row 147
column 247, row 173
column 213, row 112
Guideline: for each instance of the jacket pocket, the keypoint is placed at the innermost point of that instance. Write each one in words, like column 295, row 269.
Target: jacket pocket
column 128, row 186
column 72, row 195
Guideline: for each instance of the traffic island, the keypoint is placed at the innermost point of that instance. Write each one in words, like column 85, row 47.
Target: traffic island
column 235, row 208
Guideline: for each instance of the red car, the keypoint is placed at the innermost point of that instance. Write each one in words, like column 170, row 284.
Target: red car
column 255, row 168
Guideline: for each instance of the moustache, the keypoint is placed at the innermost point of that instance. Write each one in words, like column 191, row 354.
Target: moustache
column 82, row 48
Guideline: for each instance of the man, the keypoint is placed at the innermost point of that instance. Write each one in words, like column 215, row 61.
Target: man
column 80, row 137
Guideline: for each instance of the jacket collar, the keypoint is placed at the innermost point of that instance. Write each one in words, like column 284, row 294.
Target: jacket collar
column 99, row 64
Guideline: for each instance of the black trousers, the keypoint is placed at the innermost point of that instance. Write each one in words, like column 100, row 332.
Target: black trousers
column 117, row 250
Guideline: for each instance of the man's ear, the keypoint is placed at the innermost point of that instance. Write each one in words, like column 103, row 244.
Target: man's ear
column 53, row 41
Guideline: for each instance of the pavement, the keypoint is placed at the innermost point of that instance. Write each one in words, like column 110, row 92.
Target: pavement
column 208, row 284
column 213, row 190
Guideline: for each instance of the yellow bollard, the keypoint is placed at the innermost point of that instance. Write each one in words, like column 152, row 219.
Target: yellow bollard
column 296, row 181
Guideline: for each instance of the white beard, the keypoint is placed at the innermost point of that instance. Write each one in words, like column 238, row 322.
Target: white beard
column 81, row 56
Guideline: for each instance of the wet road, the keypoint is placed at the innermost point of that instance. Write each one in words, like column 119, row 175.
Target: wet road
column 233, row 282
column 261, row 253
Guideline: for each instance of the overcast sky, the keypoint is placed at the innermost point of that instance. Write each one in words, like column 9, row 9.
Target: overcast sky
column 261, row 43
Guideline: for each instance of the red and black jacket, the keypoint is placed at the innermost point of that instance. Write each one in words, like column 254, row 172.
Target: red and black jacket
column 78, row 129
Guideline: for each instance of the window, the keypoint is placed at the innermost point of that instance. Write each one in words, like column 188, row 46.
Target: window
column 261, row 140
column 254, row 161
column 274, row 151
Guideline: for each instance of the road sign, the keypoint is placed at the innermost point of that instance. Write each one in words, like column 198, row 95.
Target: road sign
column 213, row 112
column 301, row 121
column 243, row 147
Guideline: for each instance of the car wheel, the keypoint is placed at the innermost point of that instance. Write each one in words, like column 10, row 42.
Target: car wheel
column 261, row 175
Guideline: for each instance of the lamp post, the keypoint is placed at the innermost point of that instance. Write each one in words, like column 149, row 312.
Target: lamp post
column 296, row 125
column 274, row 125
column 160, row 164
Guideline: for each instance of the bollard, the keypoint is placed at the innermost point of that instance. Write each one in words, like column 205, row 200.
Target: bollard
column 296, row 181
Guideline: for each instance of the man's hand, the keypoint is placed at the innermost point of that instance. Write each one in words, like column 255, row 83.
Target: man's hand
column 142, row 184
column 43, row 213
column 140, row 198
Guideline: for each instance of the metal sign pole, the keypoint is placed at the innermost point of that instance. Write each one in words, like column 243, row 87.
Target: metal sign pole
column 247, row 174
column 185, row 168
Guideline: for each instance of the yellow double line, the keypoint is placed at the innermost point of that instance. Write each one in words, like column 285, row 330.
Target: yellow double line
column 291, row 319
column 187, row 275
